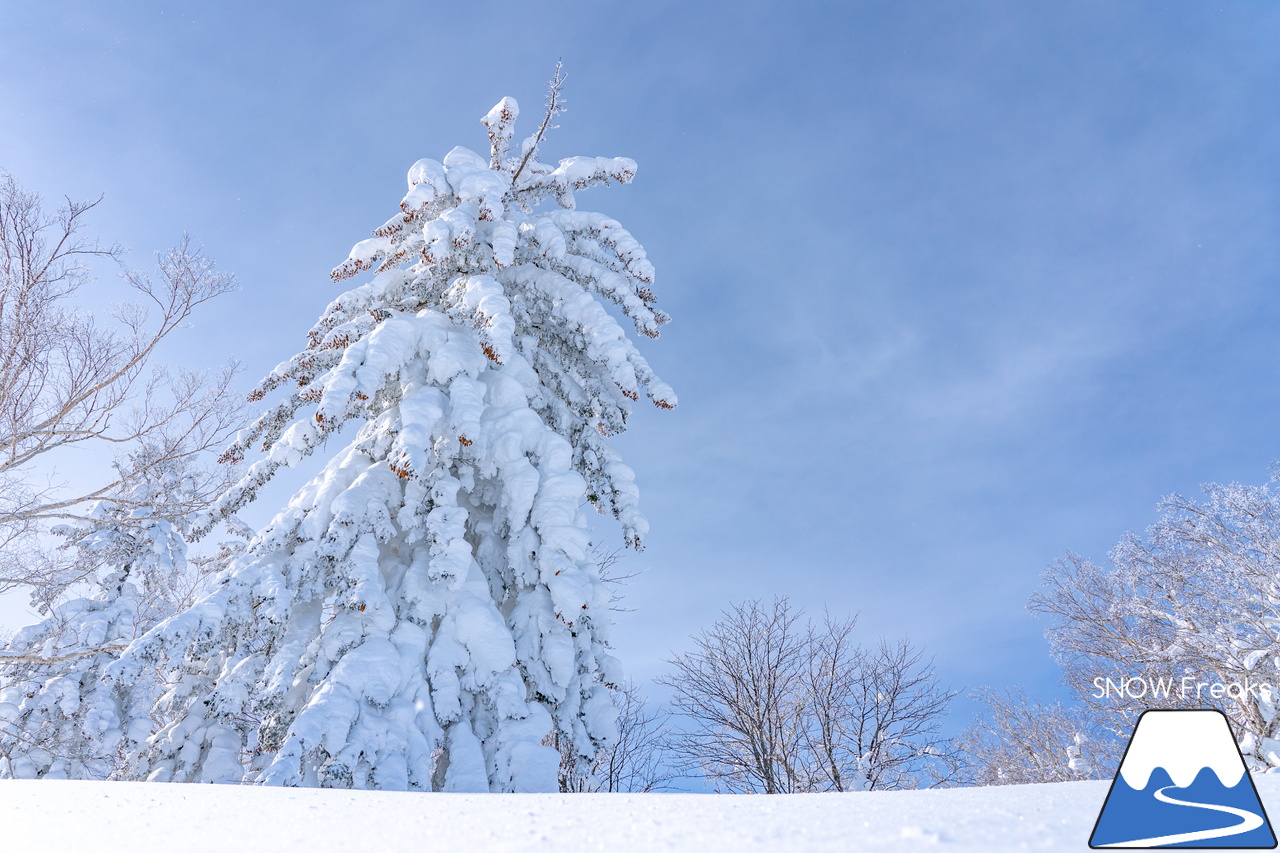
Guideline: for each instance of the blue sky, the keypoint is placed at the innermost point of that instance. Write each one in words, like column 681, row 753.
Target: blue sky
column 956, row 286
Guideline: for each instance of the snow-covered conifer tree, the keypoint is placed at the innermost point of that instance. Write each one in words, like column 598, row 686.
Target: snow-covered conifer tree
column 425, row 615
column 57, row 718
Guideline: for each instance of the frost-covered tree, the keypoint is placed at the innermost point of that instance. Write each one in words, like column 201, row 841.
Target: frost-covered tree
column 425, row 613
column 1019, row 741
column 873, row 714
column 57, row 718
column 1194, row 602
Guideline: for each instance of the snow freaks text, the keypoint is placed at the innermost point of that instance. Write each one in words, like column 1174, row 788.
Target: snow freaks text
column 1186, row 687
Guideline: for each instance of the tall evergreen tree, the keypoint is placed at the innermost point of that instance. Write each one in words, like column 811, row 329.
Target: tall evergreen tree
column 424, row 614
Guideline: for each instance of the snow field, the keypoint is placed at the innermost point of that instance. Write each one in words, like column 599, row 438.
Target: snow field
column 134, row 817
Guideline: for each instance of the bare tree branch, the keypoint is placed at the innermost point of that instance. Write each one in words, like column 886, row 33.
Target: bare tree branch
column 69, row 381
column 555, row 106
column 636, row 761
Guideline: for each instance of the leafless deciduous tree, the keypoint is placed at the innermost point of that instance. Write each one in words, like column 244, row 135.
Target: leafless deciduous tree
column 740, row 689
column 873, row 714
column 1197, row 598
column 1018, row 741
column 778, row 705
column 68, row 380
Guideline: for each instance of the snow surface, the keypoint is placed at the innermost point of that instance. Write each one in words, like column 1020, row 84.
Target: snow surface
column 137, row 817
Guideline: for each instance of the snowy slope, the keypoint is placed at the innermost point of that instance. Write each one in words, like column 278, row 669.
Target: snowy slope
column 137, row 817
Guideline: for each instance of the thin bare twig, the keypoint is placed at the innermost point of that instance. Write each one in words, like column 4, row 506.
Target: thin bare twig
column 554, row 108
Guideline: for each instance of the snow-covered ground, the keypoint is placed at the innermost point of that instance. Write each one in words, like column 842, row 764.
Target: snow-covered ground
column 139, row 817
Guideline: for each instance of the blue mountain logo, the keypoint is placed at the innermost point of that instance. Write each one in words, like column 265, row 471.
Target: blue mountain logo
column 1182, row 783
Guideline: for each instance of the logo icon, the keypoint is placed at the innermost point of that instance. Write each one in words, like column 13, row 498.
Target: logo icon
column 1182, row 783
